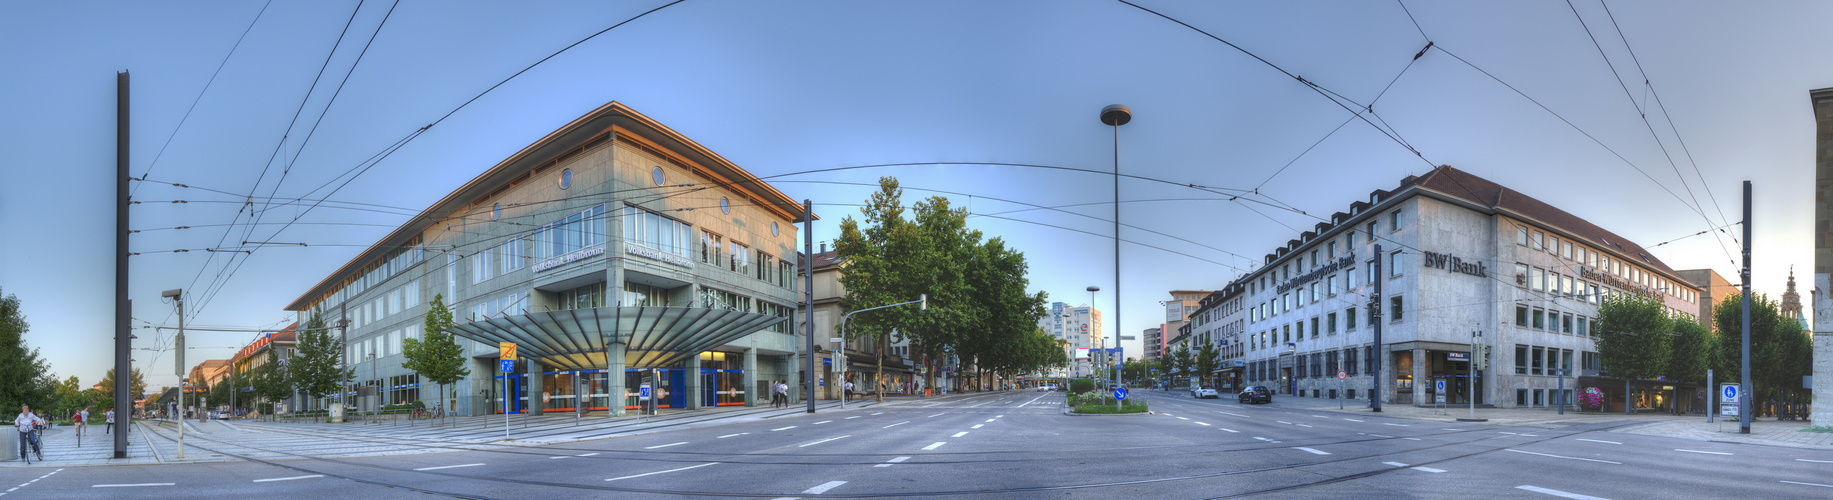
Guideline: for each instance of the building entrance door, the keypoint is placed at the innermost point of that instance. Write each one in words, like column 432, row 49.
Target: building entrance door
column 1286, row 380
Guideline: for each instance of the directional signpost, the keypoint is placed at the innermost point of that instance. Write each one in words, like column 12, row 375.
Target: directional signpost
column 506, row 362
column 1120, row 394
column 1728, row 401
column 1342, row 377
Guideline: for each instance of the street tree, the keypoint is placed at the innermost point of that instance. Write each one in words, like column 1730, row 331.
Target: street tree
column 271, row 380
column 24, row 376
column 1180, row 362
column 438, row 357
column 1634, row 335
column 1207, row 360
column 1691, row 352
column 136, row 384
column 68, row 396
column 317, row 363
column 1780, row 353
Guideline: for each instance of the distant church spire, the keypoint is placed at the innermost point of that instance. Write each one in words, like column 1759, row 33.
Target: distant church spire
column 1791, row 301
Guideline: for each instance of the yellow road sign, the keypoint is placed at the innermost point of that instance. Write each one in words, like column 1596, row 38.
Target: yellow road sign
column 508, row 349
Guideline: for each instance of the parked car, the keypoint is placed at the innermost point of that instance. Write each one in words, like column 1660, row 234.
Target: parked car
column 1047, row 387
column 1206, row 392
column 1255, row 394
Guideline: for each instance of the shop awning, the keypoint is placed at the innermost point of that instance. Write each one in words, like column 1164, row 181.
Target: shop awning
column 575, row 339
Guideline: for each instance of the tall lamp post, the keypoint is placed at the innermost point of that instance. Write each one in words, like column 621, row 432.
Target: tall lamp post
column 1114, row 115
column 178, row 300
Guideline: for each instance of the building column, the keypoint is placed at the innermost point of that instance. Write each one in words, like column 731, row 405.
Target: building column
column 535, row 404
column 1420, row 384
column 694, row 390
column 790, row 378
column 750, row 377
column 614, row 378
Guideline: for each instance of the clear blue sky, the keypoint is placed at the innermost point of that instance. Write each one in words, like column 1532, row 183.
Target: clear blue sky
column 787, row 87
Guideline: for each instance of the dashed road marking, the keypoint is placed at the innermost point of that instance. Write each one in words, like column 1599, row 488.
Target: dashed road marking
column 1352, row 420
column 823, row 422
column 1428, row 469
column 1182, row 418
column 1411, row 439
column 959, row 434
column 1230, row 430
column 825, row 440
column 1320, row 416
column 1810, row 484
column 976, row 426
column 853, row 417
column 1599, row 441
column 664, row 445
column 782, row 428
column 1302, row 425
column 1557, row 493
column 732, row 435
column 937, row 415
column 586, row 454
column 299, row 477
column 129, row 485
column 1815, row 461
column 448, row 467
column 1205, row 424
column 1395, row 425
column 1311, row 450
column 823, row 487
column 1283, row 422
column 934, row 446
column 662, row 471
column 879, row 413
column 892, row 461
column 1261, row 438
column 1558, row 456
column 896, row 424
column 1396, row 464
column 1705, row 452
column 1381, row 436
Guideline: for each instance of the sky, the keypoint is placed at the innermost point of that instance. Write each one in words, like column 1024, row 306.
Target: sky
column 783, row 89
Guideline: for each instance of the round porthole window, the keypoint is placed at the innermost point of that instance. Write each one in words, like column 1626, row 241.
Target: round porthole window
column 773, row 230
column 566, row 178
column 656, row 175
column 725, row 206
column 496, row 211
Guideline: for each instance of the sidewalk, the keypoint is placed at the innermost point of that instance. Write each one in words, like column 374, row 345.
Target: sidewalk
column 1773, row 432
column 61, row 450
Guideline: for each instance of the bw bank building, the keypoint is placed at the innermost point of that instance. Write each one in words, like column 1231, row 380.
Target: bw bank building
column 614, row 252
column 1461, row 259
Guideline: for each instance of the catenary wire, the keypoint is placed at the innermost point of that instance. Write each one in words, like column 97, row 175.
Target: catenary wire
column 200, row 96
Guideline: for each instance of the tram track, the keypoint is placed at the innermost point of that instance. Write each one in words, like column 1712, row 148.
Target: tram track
column 1066, row 487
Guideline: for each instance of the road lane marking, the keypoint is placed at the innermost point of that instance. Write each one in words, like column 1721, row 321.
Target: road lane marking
column 1598, row 441
column 896, row 424
column 992, row 419
column 959, row 434
column 1502, row 432
column 1565, row 457
column 1705, row 452
column 879, row 413
column 1205, row 424
column 126, row 485
column 1557, row 493
column 663, row 471
column 1182, row 418
column 822, row 422
column 976, row 426
column 934, row 446
column 1320, row 416
column 853, row 417
column 1283, row 422
column 937, row 415
column 292, row 478
column 586, row 454
column 1428, row 469
column 1033, row 400
column 1303, row 425
column 732, row 435
column 1381, row 436
column 1815, row 461
column 1230, row 430
column 448, row 467
column 664, row 445
column 1395, row 425
column 823, row 488
column 1411, row 439
column 1810, row 484
column 1352, row 420
column 1311, row 451
column 892, row 461
column 782, row 428
column 1451, row 429
column 999, row 416
column 825, row 440
column 1396, row 464
column 1235, row 414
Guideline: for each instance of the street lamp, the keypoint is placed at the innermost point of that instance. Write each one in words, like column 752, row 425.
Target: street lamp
column 178, row 300
column 1115, row 115
column 922, row 303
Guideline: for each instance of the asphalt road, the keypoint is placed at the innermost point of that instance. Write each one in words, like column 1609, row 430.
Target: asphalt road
column 1019, row 445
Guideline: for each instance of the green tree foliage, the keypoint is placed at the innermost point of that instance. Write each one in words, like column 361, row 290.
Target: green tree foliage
column 272, row 381
column 1207, row 360
column 1692, row 349
column 1180, row 364
column 69, row 396
column 1634, row 336
column 24, row 377
column 438, row 358
column 1780, row 354
column 136, row 385
column 978, row 307
column 319, row 359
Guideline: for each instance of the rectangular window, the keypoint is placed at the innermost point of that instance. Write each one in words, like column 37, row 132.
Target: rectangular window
column 1314, row 259
column 1371, row 273
column 1521, row 275
column 1565, row 325
column 1553, row 244
column 1539, row 353
column 1301, row 329
column 1349, row 279
column 740, row 258
column 1395, row 308
column 1393, row 221
column 513, row 255
column 787, row 274
column 1565, row 361
column 1521, row 316
column 1565, row 250
column 766, row 264
column 1521, row 235
column 1314, row 289
column 1371, row 230
column 1584, row 329
column 712, row 248
column 1521, row 397
column 1540, row 240
column 641, row 295
column 1332, row 282
column 1538, row 395
column 1394, row 263
column 1314, row 327
column 1330, row 250
column 1349, row 362
column 1521, row 360
column 1330, row 323
column 642, row 227
column 1540, row 319
column 481, row 265
column 1349, row 242
column 1537, row 279
column 1349, row 319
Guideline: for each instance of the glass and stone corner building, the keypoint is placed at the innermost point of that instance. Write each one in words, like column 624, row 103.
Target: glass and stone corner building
column 1459, row 254
column 615, row 252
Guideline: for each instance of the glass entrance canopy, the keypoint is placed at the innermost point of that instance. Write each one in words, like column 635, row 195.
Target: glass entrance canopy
column 654, row 337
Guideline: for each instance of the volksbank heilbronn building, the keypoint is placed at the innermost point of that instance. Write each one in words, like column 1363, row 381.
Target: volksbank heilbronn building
column 611, row 250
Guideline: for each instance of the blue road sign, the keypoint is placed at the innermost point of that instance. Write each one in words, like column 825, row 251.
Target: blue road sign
column 506, row 365
column 1731, row 393
column 1120, row 393
column 643, row 393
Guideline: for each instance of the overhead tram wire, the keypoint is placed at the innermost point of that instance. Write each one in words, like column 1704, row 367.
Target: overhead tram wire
column 360, row 169
column 1643, row 114
column 278, row 146
column 1371, row 110
column 200, row 96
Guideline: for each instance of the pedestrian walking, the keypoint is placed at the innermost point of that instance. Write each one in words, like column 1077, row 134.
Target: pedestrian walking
column 82, row 420
column 110, row 415
column 846, row 391
column 780, row 394
column 28, row 423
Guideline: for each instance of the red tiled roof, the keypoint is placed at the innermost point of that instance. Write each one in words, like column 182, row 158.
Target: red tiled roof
column 1460, row 184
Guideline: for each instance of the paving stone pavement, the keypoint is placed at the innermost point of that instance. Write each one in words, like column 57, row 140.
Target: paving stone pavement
column 61, row 449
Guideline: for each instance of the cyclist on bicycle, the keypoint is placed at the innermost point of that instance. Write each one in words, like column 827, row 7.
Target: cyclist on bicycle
column 28, row 423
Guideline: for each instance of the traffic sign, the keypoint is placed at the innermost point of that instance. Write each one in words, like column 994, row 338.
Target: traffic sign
column 508, row 350
column 643, row 393
column 506, row 365
column 1342, row 375
column 1728, row 393
column 1120, row 393
column 1438, row 386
